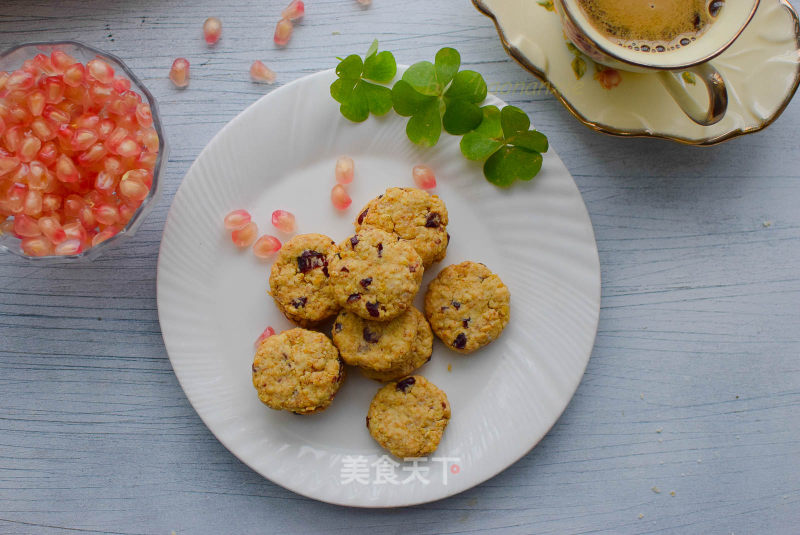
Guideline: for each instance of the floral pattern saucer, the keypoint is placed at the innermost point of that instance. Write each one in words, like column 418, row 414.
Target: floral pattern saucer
column 761, row 71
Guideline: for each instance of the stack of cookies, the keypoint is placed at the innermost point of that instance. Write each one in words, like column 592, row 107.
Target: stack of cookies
column 369, row 282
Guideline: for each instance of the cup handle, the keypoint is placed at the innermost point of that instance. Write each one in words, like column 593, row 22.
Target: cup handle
column 717, row 94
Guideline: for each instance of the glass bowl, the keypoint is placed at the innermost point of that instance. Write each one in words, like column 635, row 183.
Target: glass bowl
column 12, row 59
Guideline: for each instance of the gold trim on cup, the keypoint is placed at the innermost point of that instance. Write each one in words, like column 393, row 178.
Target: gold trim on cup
column 520, row 58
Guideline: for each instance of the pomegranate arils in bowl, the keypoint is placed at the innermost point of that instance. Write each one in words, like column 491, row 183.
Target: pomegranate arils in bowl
column 80, row 150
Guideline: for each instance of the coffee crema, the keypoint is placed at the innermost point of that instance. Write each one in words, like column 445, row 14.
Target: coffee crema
column 652, row 25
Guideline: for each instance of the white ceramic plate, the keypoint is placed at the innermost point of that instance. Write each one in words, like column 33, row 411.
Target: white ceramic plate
column 212, row 301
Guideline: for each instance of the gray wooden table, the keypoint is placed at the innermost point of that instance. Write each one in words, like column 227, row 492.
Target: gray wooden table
column 688, row 418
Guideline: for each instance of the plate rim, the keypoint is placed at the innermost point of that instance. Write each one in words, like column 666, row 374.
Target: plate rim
column 523, row 61
column 449, row 491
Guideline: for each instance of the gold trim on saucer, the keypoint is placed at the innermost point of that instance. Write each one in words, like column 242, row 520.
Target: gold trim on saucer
column 520, row 58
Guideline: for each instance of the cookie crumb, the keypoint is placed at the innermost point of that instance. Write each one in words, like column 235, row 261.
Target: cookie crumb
column 672, row 493
column 641, row 515
column 641, row 396
column 656, row 490
column 659, row 430
column 767, row 224
column 449, row 367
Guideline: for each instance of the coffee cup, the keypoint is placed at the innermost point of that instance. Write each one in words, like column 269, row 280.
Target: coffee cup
column 666, row 37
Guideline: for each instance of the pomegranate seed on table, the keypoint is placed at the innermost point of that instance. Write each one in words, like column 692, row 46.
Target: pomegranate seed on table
column 245, row 236
column 339, row 197
column 266, row 333
column 283, row 32
column 424, row 177
column 238, row 219
column 179, row 73
column 212, row 30
column 295, row 10
column 261, row 73
column 266, row 246
column 284, row 221
column 345, row 169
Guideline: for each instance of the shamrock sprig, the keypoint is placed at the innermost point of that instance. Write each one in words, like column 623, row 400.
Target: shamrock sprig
column 438, row 96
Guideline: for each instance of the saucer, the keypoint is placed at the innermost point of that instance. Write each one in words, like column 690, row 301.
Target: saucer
column 761, row 71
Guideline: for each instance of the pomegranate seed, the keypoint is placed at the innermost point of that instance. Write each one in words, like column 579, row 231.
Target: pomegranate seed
column 42, row 129
column 100, row 94
column 344, row 170
column 93, row 154
column 113, row 166
column 3, row 79
column 87, row 121
column 105, row 183
column 283, row 32
column 261, row 73
column 82, row 139
column 38, row 246
column 13, row 138
column 61, row 60
column 150, row 140
column 100, row 71
column 126, row 212
column 26, row 226
column 266, row 246
column 66, row 170
column 36, row 102
column 339, row 197
column 147, row 160
column 105, row 128
column 283, row 221
column 69, row 247
column 51, row 202
column 179, row 73
column 48, row 153
column 8, row 162
column 74, row 75
column 266, row 333
column 15, row 198
column 106, row 214
column 73, row 205
column 20, row 80
column 245, row 236
column 86, row 217
column 53, row 89
column 238, row 219
column 295, row 10
column 121, row 85
column 424, row 177
column 212, row 30
column 44, row 64
column 144, row 116
column 115, row 138
column 37, row 176
column 2, row 125
column 75, row 231
column 6, row 227
column 56, row 116
column 29, row 148
column 103, row 235
column 32, row 205
column 128, row 148
column 52, row 229
column 132, row 185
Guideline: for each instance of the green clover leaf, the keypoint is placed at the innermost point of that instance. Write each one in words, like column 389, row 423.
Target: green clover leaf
column 503, row 140
column 357, row 97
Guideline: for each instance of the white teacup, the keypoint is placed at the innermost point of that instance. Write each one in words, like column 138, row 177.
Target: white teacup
column 668, row 63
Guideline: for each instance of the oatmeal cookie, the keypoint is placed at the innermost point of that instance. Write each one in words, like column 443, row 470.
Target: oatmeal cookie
column 298, row 371
column 408, row 417
column 299, row 280
column 376, row 345
column 375, row 275
column 420, row 353
column 467, row 305
column 415, row 216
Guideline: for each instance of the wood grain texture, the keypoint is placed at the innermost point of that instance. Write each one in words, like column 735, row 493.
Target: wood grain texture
column 694, row 382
